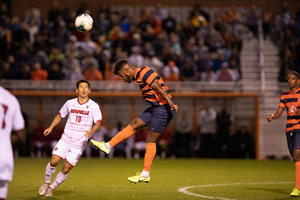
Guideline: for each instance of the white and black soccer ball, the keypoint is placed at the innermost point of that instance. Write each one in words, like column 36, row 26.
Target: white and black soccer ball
column 84, row 23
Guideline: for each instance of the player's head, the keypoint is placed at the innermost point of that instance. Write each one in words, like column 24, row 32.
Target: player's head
column 125, row 70
column 83, row 88
column 293, row 79
column 82, row 81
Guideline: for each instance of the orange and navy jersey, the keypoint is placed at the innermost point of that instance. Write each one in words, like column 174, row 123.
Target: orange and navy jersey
column 291, row 102
column 145, row 76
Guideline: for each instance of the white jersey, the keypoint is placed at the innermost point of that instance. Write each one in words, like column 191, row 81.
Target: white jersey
column 80, row 120
column 10, row 119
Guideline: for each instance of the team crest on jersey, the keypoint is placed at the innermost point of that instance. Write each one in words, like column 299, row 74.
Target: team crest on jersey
column 87, row 106
column 56, row 149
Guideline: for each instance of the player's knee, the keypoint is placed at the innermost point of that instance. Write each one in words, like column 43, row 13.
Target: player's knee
column 296, row 158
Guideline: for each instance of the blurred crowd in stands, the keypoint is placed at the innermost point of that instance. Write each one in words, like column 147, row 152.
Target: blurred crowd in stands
column 52, row 49
column 286, row 34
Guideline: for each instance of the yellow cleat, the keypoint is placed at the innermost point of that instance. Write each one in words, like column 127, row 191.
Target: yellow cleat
column 100, row 145
column 138, row 178
column 295, row 193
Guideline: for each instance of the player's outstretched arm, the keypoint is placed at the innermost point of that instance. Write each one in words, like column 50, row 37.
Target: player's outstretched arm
column 89, row 133
column 275, row 115
column 157, row 87
column 55, row 121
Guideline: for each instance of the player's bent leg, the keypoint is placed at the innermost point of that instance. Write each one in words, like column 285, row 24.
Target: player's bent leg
column 3, row 189
column 66, row 168
column 54, row 160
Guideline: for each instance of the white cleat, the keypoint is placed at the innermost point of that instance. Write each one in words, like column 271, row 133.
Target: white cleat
column 43, row 189
column 49, row 192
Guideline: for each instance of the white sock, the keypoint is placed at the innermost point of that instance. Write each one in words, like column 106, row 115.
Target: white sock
column 49, row 172
column 60, row 178
column 107, row 145
column 145, row 174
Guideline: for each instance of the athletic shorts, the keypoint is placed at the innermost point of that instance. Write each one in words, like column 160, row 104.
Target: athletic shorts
column 64, row 151
column 157, row 117
column 293, row 141
column 3, row 189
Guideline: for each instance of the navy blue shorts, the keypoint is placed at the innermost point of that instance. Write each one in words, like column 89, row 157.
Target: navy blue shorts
column 157, row 117
column 293, row 141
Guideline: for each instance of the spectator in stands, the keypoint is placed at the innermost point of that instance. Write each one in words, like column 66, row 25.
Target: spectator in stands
column 266, row 21
column 236, row 69
column 182, row 139
column 92, row 73
column 89, row 60
column 242, row 143
column 32, row 29
column 208, row 75
column 22, row 56
column 55, row 72
column 169, row 23
column 39, row 143
column 74, row 73
column 136, row 59
column 225, row 73
column 169, row 69
column 163, row 143
column 188, row 72
column 71, row 61
column 37, row 57
column 72, row 45
column 207, row 131
column 220, row 58
column 224, row 120
column 102, row 24
column 24, row 72
column 205, row 62
column 252, row 21
column 37, row 73
column 8, row 72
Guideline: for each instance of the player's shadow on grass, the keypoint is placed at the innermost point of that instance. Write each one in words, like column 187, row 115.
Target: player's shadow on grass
column 59, row 194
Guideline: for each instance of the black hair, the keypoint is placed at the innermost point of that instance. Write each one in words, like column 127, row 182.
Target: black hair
column 295, row 73
column 82, row 81
column 119, row 65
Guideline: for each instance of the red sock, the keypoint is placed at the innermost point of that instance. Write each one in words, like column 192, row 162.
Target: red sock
column 122, row 135
column 297, row 175
column 149, row 156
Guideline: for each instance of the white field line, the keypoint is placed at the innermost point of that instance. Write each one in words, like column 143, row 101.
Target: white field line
column 185, row 189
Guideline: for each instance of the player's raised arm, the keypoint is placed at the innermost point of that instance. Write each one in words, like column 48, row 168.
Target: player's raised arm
column 275, row 115
column 55, row 121
column 157, row 87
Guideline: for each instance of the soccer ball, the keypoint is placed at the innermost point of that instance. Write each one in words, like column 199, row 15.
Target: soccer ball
column 84, row 23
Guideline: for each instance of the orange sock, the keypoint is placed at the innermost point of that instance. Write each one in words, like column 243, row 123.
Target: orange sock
column 149, row 156
column 297, row 175
column 124, row 134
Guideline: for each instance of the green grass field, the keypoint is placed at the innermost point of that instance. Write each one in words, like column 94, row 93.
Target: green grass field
column 107, row 179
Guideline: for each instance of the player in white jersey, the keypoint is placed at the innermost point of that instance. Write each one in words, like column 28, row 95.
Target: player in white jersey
column 83, row 112
column 10, row 119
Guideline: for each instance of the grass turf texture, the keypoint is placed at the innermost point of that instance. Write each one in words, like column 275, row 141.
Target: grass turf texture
column 107, row 179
